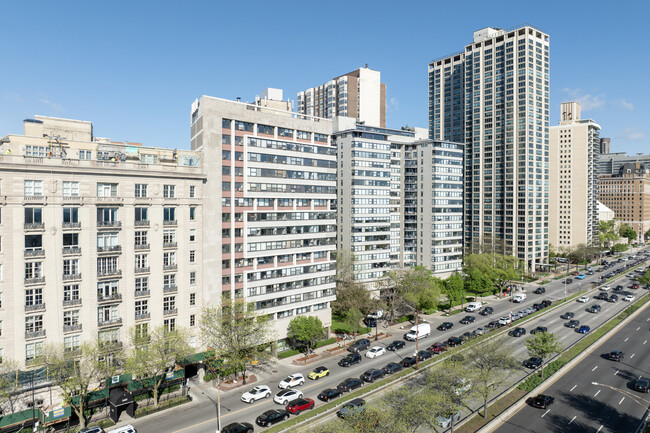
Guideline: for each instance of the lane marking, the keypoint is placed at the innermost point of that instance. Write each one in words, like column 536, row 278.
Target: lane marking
column 594, row 368
column 546, row 412
column 564, row 337
column 574, row 387
column 632, row 356
column 598, row 392
column 626, row 339
column 601, row 427
column 621, row 400
column 638, row 328
column 645, row 342
column 572, row 420
column 616, row 372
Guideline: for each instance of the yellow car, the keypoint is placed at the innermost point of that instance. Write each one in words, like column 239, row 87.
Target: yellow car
column 319, row 372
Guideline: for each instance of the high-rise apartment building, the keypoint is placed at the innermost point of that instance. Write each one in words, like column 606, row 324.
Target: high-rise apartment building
column 573, row 184
column 605, row 145
column 97, row 237
column 628, row 195
column 359, row 94
column 269, row 224
column 494, row 97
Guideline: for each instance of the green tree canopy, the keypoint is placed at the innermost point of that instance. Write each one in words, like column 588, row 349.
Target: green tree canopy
column 351, row 295
column 606, row 233
column 627, row 232
column 542, row 345
column 477, row 282
column 305, row 331
column 499, row 268
column 454, row 288
column 352, row 318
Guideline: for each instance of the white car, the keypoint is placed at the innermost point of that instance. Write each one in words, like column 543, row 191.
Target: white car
column 583, row 299
column 257, row 393
column 292, row 380
column 286, row 395
column 505, row 320
column 605, row 288
column 375, row 352
column 462, row 386
column 376, row 314
column 628, row 298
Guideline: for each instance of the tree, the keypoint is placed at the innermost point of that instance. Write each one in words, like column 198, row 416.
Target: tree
column 415, row 287
column 477, row 282
column 78, row 372
column 236, row 333
column 499, row 268
column 8, row 397
column 542, row 345
column 647, row 234
column 583, row 254
column 645, row 279
column 619, row 248
column 408, row 409
column 351, row 295
column 352, row 319
column 454, row 288
column 627, row 232
column 445, row 383
column 606, row 233
column 155, row 352
column 306, row 331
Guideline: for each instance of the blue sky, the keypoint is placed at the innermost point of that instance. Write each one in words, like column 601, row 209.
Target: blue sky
column 134, row 68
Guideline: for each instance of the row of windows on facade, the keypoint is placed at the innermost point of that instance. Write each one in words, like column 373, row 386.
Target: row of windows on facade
column 112, row 155
column 270, row 130
column 33, row 188
column 107, row 241
column 34, row 215
column 106, row 266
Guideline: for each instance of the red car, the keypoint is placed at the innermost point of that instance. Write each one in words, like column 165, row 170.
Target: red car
column 437, row 347
column 300, row 404
column 575, row 274
column 635, row 286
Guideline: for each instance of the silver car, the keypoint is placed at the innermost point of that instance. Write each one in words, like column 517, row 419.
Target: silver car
column 445, row 421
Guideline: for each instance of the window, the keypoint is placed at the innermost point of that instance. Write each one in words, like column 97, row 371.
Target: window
column 106, row 241
column 193, row 277
column 140, row 190
column 33, row 188
column 71, row 292
column 71, row 318
column 169, row 303
column 169, row 214
column 192, row 256
column 192, row 299
column 33, row 241
column 192, row 213
column 71, row 343
column 107, row 313
column 169, row 279
column 34, row 296
column 141, row 214
column 107, row 265
column 303, row 135
column 192, row 235
column 192, row 191
column 169, row 259
column 107, row 289
column 33, row 350
column 70, row 215
column 33, row 215
column 71, row 266
column 34, row 270
column 170, row 324
column 34, row 323
column 141, row 330
column 85, row 154
column 106, row 215
column 141, row 261
column 141, row 284
column 169, row 236
column 70, row 239
column 169, row 191
column 35, row 151
column 106, row 190
column 141, row 307
column 70, row 189
column 141, row 238
column 192, row 319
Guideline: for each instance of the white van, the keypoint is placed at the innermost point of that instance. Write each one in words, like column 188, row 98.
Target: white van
column 124, row 429
column 473, row 306
column 519, row 297
column 423, row 330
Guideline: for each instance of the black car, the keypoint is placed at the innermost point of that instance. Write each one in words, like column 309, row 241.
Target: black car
column 392, row 367
column 539, row 290
column 539, row 329
column 351, row 359
column 613, row 298
column 537, row 307
column 594, row 309
column 238, row 427
column 351, row 408
column 568, row 315
column 641, row 385
column 469, row 335
column 569, row 280
column 424, row 354
column 359, row 345
column 492, row 325
column 572, row 324
column 546, row 303
column 372, row 375
column 543, row 401
column 454, row 341
column 409, row 361
column 517, row 332
column 329, row 394
column 271, row 417
column 616, row 355
column 486, row 311
column 349, row 384
column 618, row 288
column 445, row 326
column 395, row 345
column 467, row 320
column 370, row 322
column 602, row 296
column 532, row 363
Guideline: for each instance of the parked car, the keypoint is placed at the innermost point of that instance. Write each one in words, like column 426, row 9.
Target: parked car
column 444, row 326
column 392, row 367
column 572, row 324
column 517, row 332
column 568, row 280
column 92, row 429
column 319, row 372
column 256, row 393
column 372, row 374
column 271, row 417
column 395, row 345
column 444, row 421
column 615, row 355
column 539, row 329
column 467, row 320
column 605, row 288
column 370, row 322
column 583, row 299
column 124, row 429
column 505, row 320
column 568, row 315
column 481, row 330
column 359, row 345
column 349, row 384
column 539, row 291
column 580, row 277
column 613, row 298
column 378, row 314
column 424, row 354
column 546, row 303
column 286, row 395
column 628, row 298
column 618, row 288
column 375, row 352
column 409, row 361
column 237, row 427
column 641, row 385
column 351, row 359
column 438, row 347
column 486, row 311
column 543, row 401
column 454, row 341
column 297, row 406
column 584, row 329
column 532, row 363
column 634, row 286
column 292, row 380
column 329, row 394
column 352, row 407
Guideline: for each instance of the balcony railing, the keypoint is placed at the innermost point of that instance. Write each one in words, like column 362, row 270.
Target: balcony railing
column 170, row 267
column 68, row 277
column 110, row 249
column 35, row 199
column 34, row 334
column 72, row 199
column 71, row 302
column 71, row 225
column 34, row 226
column 170, row 288
column 35, row 280
column 109, row 298
column 71, row 250
column 170, row 222
column 141, row 270
column 108, row 272
column 35, row 307
column 141, row 293
column 170, row 244
column 34, row 252
column 109, row 224
column 111, row 322
column 72, row 328
column 141, row 246
column 142, row 316
column 110, row 199
column 170, row 312
column 141, row 223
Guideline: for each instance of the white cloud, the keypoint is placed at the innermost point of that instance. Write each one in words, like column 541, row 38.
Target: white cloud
column 13, row 97
column 393, row 104
column 53, row 105
column 587, row 100
column 633, row 135
column 626, row 104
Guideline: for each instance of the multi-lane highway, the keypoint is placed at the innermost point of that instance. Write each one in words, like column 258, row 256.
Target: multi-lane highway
column 201, row 417
column 610, row 406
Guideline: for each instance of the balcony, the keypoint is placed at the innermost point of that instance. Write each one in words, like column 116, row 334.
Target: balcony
column 76, row 199
column 34, row 252
column 141, row 223
column 34, row 280
column 142, row 293
column 170, row 312
column 34, row 226
column 70, row 277
column 35, row 199
column 101, row 273
column 29, row 335
column 170, row 288
column 76, row 327
column 71, row 302
column 142, row 316
column 110, row 199
column 170, row 267
column 141, row 270
column 170, row 222
column 72, row 250
column 109, row 224
column 140, row 247
column 34, row 307
column 110, row 322
column 110, row 346
column 109, row 298
column 110, row 249
column 71, row 225
column 170, row 244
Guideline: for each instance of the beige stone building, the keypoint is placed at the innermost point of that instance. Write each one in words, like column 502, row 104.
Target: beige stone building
column 96, row 237
column 573, row 157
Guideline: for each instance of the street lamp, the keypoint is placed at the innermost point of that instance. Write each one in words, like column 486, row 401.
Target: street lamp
column 217, row 404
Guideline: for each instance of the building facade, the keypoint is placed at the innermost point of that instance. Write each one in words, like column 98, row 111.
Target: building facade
column 605, row 145
column 359, row 94
column 269, row 222
column 573, row 156
column 628, row 195
column 610, row 164
column 494, row 97
column 97, row 238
